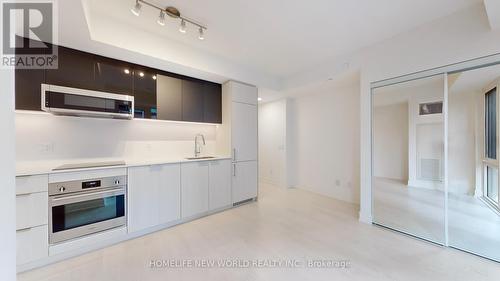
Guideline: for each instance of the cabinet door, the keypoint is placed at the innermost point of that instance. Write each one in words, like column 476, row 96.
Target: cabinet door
column 243, row 93
column 32, row 244
column 113, row 76
column 145, row 93
column 28, row 88
column 169, row 193
column 169, row 98
column 28, row 81
column 192, row 101
column 75, row 69
column 212, row 106
column 194, row 181
column 244, row 181
column 32, row 210
column 244, row 131
column 142, row 197
column 219, row 184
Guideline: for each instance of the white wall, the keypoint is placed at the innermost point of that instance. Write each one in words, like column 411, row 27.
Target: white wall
column 7, row 164
column 325, row 147
column 404, row 139
column 41, row 136
column 390, row 141
column 461, row 142
column 272, row 142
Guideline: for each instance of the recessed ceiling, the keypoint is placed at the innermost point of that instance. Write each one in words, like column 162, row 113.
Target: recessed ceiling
column 282, row 38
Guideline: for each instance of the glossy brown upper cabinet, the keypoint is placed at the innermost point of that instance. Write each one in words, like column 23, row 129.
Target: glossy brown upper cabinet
column 28, row 88
column 157, row 94
column 188, row 100
column 75, row 69
column 27, row 84
column 192, row 101
column 169, row 98
column 212, row 103
column 145, row 93
column 113, row 76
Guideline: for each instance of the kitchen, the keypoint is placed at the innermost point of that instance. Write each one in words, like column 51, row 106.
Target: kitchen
column 237, row 140
column 122, row 150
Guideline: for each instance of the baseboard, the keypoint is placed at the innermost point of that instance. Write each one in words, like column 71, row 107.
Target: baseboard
column 365, row 217
column 433, row 185
column 269, row 181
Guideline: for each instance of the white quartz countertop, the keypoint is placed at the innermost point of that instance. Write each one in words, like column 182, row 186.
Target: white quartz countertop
column 28, row 168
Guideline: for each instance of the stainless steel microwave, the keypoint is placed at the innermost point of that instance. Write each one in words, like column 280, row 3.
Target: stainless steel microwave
column 79, row 102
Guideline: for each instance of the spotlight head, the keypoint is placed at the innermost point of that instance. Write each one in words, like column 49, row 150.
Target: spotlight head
column 136, row 10
column 161, row 18
column 201, row 36
column 182, row 28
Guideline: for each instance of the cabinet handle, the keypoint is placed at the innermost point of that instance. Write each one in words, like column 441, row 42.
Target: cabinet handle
column 234, row 154
column 24, row 229
column 234, row 169
column 23, row 195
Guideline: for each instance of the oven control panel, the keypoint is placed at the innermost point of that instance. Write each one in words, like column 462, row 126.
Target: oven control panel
column 87, row 184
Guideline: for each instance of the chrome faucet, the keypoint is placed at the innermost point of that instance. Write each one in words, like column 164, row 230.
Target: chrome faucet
column 197, row 148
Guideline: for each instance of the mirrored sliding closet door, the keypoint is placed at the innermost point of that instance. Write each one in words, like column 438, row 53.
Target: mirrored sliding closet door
column 473, row 122
column 408, row 159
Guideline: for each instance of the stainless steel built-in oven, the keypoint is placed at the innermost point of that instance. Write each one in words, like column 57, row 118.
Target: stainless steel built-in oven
column 83, row 207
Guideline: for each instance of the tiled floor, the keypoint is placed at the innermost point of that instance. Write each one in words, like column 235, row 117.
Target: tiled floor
column 282, row 225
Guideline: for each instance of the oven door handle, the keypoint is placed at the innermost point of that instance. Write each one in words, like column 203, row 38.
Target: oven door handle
column 93, row 195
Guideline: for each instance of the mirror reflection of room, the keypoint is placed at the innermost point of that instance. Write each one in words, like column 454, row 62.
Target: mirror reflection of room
column 409, row 193
column 474, row 217
column 408, row 159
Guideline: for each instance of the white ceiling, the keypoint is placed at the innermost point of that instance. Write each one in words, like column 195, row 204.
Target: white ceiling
column 474, row 81
column 424, row 88
column 282, row 38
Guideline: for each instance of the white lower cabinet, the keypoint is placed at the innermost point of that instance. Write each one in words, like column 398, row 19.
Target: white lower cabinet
column 32, row 244
column 219, row 193
column 169, row 194
column 153, row 196
column 32, row 233
column 156, row 195
column 194, row 181
column 244, row 183
column 31, row 210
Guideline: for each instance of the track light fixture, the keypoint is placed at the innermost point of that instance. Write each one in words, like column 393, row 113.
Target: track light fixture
column 173, row 13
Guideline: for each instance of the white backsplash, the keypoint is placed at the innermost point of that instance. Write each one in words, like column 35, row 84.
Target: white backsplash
column 41, row 137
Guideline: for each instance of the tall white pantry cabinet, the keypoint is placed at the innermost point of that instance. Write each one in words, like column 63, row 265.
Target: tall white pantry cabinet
column 237, row 136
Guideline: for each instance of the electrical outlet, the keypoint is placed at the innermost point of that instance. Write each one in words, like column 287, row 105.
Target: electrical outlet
column 47, row 147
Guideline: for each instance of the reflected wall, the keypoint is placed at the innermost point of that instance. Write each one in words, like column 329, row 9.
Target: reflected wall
column 408, row 158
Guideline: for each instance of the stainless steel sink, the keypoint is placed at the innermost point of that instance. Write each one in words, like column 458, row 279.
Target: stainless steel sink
column 200, row 157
